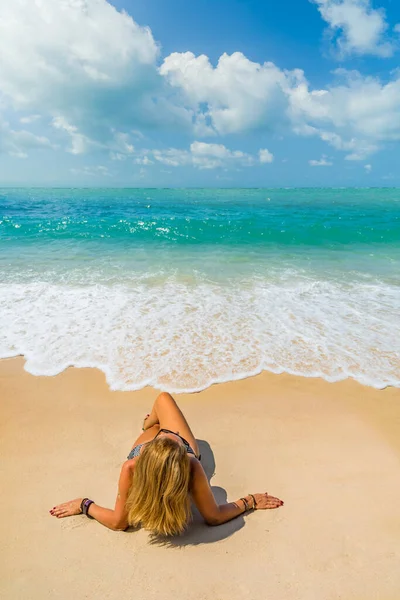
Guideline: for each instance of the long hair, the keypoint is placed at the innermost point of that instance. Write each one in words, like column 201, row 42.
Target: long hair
column 158, row 498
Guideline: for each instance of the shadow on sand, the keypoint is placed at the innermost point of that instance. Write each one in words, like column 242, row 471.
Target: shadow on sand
column 198, row 532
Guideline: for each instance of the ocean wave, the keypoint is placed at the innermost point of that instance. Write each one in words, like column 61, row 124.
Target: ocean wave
column 184, row 336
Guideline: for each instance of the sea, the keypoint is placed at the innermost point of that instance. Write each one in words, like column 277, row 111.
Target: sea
column 184, row 288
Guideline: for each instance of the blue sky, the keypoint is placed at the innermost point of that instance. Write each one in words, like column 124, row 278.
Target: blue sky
column 212, row 93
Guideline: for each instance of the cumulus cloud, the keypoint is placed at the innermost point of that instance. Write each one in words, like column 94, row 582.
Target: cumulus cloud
column 173, row 157
column 211, row 156
column 200, row 155
column 356, row 27
column 322, row 162
column 83, row 63
column 368, row 168
column 265, row 156
column 61, row 48
column 236, row 95
column 355, row 114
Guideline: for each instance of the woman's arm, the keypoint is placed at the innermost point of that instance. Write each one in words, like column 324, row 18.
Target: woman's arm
column 216, row 514
column 113, row 519
column 151, row 419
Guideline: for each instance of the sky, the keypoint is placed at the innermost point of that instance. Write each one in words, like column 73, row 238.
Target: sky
column 224, row 93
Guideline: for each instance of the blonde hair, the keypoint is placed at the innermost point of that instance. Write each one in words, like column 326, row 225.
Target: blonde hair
column 158, row 498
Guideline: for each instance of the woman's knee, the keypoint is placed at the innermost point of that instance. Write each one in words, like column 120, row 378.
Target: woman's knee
column 164, row 398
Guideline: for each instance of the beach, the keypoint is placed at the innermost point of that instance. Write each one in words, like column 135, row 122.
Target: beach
column 272, row 316
column 329, row 450
column 201, row 200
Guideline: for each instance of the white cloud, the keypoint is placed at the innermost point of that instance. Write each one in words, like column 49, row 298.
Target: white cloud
column 368, row 168
column 172, row 157
column 200, row 155
column 322, row 162
column 357, row 115
column 79, row 143
column 211, row 156
column 84, row 64
column 63, row 46
column 358, row 148
column 265, row 156
column 238, row 93
column 357, row 27
column 17, row 143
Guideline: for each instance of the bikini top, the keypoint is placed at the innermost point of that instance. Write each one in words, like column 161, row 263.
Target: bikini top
column 135, row 452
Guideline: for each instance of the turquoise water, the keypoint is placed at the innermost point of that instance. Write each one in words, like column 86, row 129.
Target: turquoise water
column 183, row 288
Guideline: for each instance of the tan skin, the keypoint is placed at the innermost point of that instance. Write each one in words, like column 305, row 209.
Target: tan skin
column 166, row 414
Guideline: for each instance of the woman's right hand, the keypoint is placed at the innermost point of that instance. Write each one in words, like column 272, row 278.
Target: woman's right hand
column 264, row 501
column 144, row 423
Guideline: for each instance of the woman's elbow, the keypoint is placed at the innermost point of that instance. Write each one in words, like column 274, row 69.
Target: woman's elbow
column 213, row 521
column 119, row 526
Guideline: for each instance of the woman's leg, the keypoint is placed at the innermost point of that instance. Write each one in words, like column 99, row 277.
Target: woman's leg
column 168, row 415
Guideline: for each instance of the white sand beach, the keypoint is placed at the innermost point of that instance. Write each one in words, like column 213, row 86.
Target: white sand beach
column 330, row 451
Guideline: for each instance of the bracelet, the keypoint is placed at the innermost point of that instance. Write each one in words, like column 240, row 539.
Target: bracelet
column 246, row 504
column 85, row 506
column 254, row 502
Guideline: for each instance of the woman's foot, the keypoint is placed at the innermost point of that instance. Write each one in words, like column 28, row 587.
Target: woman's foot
column 144, row 423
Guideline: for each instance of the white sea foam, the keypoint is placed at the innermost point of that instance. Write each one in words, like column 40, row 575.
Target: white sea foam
column 184, row 336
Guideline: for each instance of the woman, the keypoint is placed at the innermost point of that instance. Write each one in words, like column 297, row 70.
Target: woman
column 162, row 472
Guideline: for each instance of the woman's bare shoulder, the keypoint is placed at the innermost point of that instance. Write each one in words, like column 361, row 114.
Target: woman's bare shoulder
column 125, row 477
column 196, row 468
column 128, row 466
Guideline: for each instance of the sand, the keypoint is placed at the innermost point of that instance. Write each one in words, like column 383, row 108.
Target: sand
column 330, row 451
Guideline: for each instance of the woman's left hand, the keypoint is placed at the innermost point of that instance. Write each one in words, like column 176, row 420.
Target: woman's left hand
column 265, row 501
column 73, row 507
